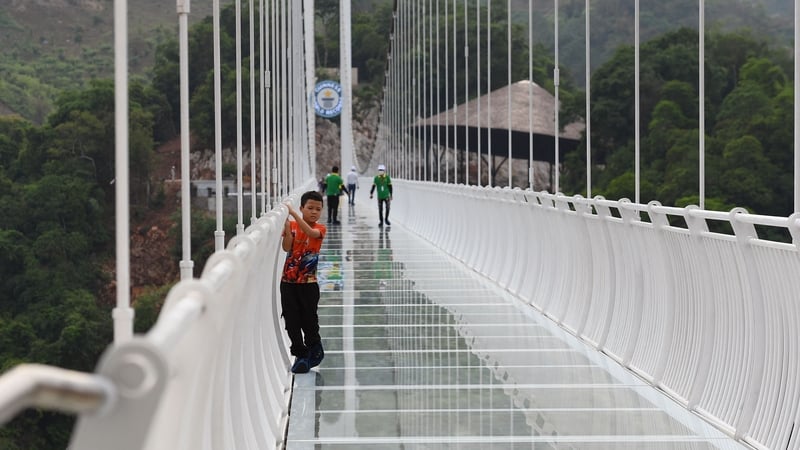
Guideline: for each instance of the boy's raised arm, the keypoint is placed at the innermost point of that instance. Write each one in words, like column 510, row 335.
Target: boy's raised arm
column 310, row 232
column 288, row 237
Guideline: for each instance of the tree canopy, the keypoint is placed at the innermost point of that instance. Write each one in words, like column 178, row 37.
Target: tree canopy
column 748, row 107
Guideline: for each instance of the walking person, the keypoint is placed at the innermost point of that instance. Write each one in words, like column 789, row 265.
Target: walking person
column 352, row 184
column 334, row 187
column 302, row 240
column 383, row 184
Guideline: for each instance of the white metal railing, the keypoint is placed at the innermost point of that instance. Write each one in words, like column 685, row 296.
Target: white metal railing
column 708, row 317
column 212, row 373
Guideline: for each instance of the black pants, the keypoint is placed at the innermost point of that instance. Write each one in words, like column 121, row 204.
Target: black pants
column 299, row 303
column 381, row 201
column 333, row 208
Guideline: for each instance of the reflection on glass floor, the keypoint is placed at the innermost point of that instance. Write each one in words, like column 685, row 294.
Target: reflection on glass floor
column 424, row 354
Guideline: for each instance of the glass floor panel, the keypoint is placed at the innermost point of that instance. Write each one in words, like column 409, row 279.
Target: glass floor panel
column 422, row 353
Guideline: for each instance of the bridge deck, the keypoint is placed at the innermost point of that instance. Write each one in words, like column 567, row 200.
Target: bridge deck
column 422, row 353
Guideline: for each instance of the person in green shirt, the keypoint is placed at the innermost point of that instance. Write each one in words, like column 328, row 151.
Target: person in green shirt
column 333, row 189
column 383, row 184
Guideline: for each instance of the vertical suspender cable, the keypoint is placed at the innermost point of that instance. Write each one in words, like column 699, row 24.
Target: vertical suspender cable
column 408, row 103
column 239, row 181
column 123, row 313
column 291, row 84
column 796, row 107
column 478, row 116
column 431, row 81
column 186, row 264
column 413, row 64
column 270, row 101
column 419, row 94
column 510, row 164
column 588, row 46
column 399, row 100
column 393, row 100
column 219, row 234
column 428, row 176
column 253, row 145
column 291, row 149
column 438, row 102
column 455, row 94
column 394, row 126
column 702, row 107
column 304, row 86
column 557, row 109
column 345, row 73
column 424, row 104
column 262, row 79
column 310, row 67
column 302, row 156
column 273, row 106
column 447, row 92
column 386, row 130
column 490, row 162
column 405, row 110
column 530, row 96
column 400, row 66
column 278, row 94
column 300, row 148
column 404, row 107
column 466, row 95
column 410, row 100
column 637, row 151
column 287, row 186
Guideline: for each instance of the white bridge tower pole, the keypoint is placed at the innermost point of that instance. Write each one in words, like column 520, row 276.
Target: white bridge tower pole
column 346, row 80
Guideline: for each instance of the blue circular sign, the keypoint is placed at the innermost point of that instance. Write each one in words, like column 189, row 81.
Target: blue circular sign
column 328, row 98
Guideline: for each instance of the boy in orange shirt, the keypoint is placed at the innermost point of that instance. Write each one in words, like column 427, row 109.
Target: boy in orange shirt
column 302, row 240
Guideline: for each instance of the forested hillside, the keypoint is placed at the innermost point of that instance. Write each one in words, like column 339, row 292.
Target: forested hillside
column 51, row 45
column 57, row 160
column 749, row 124
column 57, row 210
column 613, row 25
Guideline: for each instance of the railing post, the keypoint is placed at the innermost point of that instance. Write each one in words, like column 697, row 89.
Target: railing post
column 660, row 223
column 630, row 215
column 697, row 229
column 604, row 213
column 584, row 211
column 745, row 233
column 139, row 373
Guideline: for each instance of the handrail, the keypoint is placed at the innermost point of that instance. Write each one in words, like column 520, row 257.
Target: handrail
column 41, row 386
column 134, row 399
column 705, row 316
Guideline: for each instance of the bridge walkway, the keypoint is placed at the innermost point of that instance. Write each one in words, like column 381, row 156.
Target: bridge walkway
column 422, row 353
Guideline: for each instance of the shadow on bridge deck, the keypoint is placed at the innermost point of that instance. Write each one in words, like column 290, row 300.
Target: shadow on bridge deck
column 422, row 353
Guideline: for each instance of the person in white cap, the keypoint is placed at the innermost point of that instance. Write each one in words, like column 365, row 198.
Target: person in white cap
column 384, row 185
column 352, row 184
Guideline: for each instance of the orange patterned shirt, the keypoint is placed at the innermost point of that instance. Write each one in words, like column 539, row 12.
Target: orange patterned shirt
column 301, row 260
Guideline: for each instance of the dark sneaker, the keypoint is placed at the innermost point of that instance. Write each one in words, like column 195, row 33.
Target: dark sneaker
column 387, row 222
column 300, row 365
column 316, row 355
column 380, row 224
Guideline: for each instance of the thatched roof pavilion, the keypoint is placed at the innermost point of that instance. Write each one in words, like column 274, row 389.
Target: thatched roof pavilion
column 463, row 121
